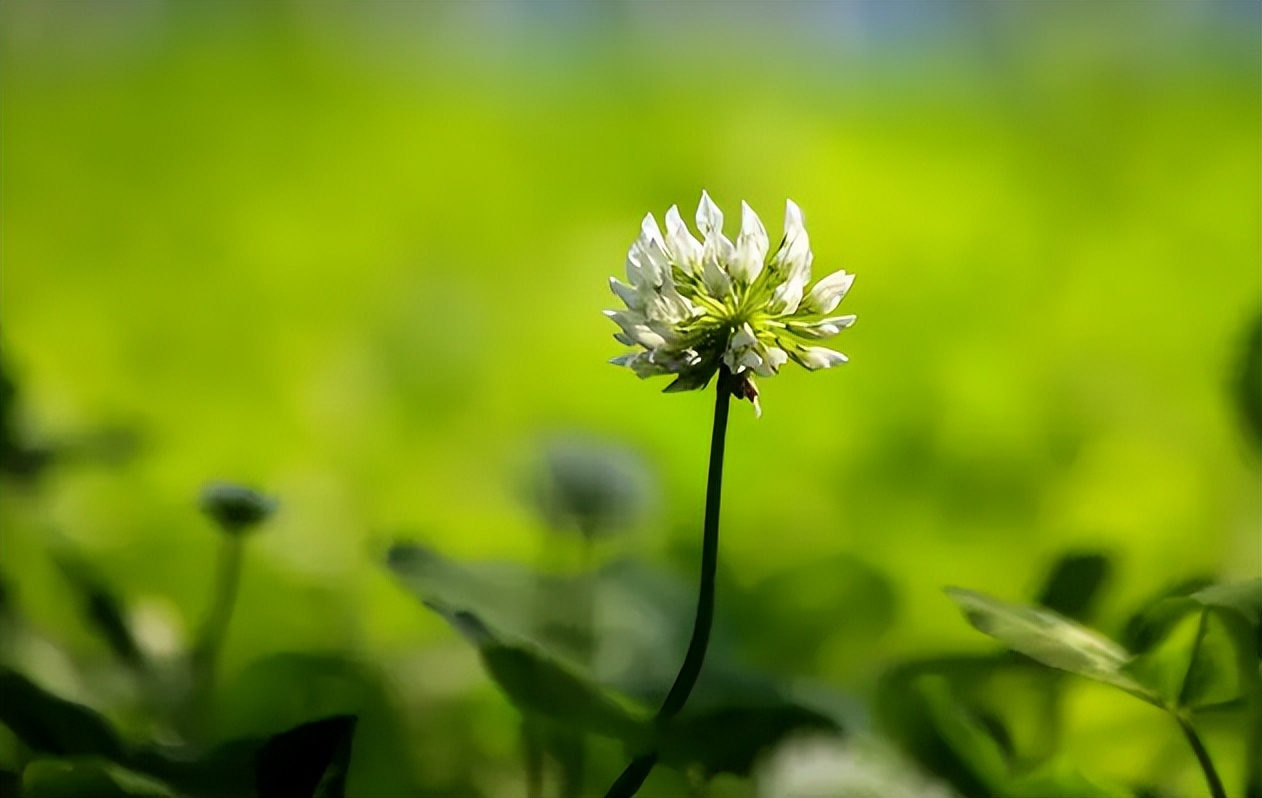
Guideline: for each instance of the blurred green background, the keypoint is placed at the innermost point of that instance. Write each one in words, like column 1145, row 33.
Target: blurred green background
column 356, row 255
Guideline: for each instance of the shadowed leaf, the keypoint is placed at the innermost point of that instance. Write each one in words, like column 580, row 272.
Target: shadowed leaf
column 82, row 777
column 52, row 725
column 1074, row 584
column 310, row 760
column 729, row 739
column 535, row 683
column 1243, row 598
column 1249, row 388
column 101, row 607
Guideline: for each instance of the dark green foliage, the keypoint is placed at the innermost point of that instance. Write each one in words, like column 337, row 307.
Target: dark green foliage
column 1075, row 584
column 20, row 459
column 52, row 725
column 307, row 762
column 10, row 784
column 728, row 739
column 102, row 609
column 535, row 683
column 87, row 776
column 1200, row 657
column 1249, row 387
column 534, row 653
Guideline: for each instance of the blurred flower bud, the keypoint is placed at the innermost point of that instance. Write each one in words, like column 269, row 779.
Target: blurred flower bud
column 592, row 489
column 234, row 508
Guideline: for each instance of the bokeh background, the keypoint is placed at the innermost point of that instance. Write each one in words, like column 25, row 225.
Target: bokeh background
column 355, row 255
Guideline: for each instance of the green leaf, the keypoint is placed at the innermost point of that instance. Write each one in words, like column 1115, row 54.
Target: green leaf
column 309, row 761
column 52, row 725
column 536, row 634
column 1243, row 598
column 904, row 713
column 642, row 620
column 10, row 784
column 729, row 739
column 1173, row 628
column 226, row 769
column 535, row 683
column 1249, row 387
column 1051, row 639
column 1217, row 675
column 1075, row 583
column 101, row 608
column 278, row 693
column 1201, row 650
column 842, row 594
column 91, row 776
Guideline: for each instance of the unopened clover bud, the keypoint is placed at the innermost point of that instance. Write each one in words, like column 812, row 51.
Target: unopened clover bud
column 236, row 509
column 595, row 490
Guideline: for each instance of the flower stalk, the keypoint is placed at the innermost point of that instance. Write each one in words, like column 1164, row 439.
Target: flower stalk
column 700, row 309
column 633, row 776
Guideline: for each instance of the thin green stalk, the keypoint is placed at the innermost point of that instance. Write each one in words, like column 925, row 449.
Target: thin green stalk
column 1202, row 756
column 634, row 775
column 227, row 584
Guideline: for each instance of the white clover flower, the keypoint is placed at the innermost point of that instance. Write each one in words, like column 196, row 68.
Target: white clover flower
column 693, row 306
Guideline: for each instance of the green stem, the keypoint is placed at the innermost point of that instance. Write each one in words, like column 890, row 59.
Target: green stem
column 695, row 657
column 1202, row 756
column 633, row 777
column 227, row 584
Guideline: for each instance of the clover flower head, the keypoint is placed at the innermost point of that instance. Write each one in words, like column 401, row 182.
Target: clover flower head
column 693, row 305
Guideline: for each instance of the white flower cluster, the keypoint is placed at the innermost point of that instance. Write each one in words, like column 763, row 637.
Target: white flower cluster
column 695, row 305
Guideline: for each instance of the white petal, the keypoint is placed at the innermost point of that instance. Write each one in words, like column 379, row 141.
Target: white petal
column 751, row 247
column 680, row 245
column 709, row 217
column 773, row 359
column 793, row 219
column 817, row 357
column 652, row 247
column 742, row 338
column 624, row 318
column 649, row 229
column 646, row 337
column 840, row 322
column 828, row 292
column 627, row 294
column 794, row 256
column 717, row 283
column 824, row 328
column 787, row 296
column 647, row 264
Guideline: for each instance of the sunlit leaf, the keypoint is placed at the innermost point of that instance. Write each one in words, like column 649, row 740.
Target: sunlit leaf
column 1051, row 639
